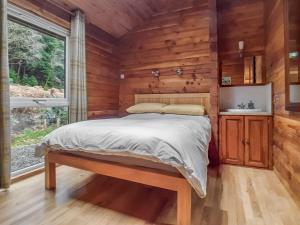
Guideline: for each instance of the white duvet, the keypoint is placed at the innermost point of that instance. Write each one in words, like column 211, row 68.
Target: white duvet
column 177, row 140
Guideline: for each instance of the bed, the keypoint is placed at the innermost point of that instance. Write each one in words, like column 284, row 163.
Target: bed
column 184, row 169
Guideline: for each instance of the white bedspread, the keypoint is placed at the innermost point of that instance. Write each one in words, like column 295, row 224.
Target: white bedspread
column 177, row 140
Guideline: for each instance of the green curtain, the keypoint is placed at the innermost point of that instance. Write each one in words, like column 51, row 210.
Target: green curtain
column 4, row 101
column 78, row 93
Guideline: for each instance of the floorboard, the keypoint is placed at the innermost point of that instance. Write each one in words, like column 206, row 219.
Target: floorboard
column 236, row 196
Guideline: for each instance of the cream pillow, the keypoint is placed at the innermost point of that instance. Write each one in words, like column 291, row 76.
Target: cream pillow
column 146, row 108
column 184, row 109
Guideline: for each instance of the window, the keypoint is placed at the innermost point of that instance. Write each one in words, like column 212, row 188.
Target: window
column 29, row 126
column 38, row 72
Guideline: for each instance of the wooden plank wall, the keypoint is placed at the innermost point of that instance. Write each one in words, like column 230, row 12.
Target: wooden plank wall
column 102, row 78
column 102, row 62
column 240, row 21
column 185, row 38
column 286, row 144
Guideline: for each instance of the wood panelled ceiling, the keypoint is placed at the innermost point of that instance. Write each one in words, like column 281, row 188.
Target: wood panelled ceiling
column 117, row 17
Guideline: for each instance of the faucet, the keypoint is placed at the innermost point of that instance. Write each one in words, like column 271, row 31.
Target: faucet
column 241, row 106
column 251, row 105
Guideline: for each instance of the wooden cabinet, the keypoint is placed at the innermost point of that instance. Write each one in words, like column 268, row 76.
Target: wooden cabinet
column 232, row 135
column 256, row 141
column 246, row 140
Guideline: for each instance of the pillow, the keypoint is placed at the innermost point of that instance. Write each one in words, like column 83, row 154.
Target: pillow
column 146, row 108
column 184, row 109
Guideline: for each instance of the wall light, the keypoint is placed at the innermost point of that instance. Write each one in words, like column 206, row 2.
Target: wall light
column 241, row 48
column 179, row 71
column 156, row 73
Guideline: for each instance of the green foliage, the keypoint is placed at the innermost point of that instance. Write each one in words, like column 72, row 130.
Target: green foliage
column 35, row 53
column 38, row 123
column 24, row 45
column 30, row 136
column 30, row 81
column 53, row 113
column 15, row 78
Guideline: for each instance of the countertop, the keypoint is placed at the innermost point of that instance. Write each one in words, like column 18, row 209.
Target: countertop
column 246, row 113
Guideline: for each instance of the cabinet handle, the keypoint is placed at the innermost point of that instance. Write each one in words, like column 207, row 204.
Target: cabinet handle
column 243, row 141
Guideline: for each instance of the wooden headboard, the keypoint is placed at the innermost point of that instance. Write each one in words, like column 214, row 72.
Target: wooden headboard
column 184, row 98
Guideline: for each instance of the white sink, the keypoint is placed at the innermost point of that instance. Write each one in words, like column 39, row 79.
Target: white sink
column 243, row 110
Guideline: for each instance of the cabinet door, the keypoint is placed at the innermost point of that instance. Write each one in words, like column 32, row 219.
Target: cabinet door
column 257, row 141
column 232, row 135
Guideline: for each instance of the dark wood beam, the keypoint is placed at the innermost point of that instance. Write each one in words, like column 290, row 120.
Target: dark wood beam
column 91, row 29
column 52, row 8
column 99, row 34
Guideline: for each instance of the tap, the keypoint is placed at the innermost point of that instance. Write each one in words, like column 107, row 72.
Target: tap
column 251, row 105
column 241, row 106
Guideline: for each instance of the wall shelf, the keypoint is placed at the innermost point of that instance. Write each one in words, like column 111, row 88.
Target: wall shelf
column 243, row 85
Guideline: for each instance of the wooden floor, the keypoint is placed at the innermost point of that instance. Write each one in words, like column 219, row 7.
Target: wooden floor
column 236, row 196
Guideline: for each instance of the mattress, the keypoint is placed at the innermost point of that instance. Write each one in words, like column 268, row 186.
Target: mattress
column 177, row 141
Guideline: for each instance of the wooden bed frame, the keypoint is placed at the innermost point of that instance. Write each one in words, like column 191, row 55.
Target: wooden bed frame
column 142, row 175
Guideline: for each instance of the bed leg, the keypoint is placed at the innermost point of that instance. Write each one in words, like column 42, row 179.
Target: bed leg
column 50, row 174
column 184, row 204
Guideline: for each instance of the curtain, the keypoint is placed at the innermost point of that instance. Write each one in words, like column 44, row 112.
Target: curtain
column 4, row 100
column 78, row 93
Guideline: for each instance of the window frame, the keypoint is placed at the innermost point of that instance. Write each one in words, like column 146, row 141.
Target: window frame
column 33, row 21
column 30, row 19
